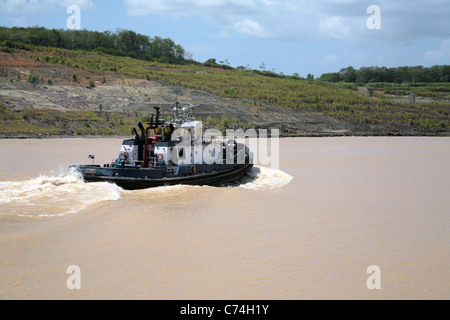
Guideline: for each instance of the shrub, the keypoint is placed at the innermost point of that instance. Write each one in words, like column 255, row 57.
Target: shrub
column 33, row 78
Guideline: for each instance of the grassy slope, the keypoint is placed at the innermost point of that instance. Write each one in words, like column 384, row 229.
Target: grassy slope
column 252, row 90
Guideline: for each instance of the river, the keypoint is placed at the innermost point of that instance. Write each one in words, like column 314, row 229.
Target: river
column 308, row 230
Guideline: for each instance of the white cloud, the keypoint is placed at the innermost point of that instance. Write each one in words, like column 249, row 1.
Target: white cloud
column 253, row 18
column 249, row 27
column 330, row 58
column 440, row 54
column 36, row 6
column 335, row 27
column 402, row 20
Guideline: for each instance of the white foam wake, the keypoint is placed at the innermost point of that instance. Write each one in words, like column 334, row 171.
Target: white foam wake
column 258, row 178
column 52, row 196
column 264, row 179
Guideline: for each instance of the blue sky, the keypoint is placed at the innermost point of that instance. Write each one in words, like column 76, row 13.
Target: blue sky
column 289, row 36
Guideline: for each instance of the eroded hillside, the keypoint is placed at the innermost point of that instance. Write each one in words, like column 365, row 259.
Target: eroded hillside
column 110, row 100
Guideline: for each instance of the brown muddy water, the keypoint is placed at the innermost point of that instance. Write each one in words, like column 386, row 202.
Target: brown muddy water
column 309, row 230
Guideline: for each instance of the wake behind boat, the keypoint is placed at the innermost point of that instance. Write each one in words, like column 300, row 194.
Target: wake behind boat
column 172, row 152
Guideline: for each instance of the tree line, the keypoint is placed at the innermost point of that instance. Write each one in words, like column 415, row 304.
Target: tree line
column 120, row 43
column 131, row 44
column 417, row 74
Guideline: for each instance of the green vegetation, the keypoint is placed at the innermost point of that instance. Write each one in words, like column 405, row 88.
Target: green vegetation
column 91, row 84
column 54, row 122
column 124, row 43
column 334, row 95
column 398, row 75
column 33, row 78
column 434, row 90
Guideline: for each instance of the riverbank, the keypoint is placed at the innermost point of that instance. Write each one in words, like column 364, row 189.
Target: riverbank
column 304, row 135
column 76, row 97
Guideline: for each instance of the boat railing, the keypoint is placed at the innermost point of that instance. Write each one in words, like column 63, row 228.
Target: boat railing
column 153, row 162
column 218, row 140
column 117, row 163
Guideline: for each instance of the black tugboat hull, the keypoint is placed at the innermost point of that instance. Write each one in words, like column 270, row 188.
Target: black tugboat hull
column 139, row 178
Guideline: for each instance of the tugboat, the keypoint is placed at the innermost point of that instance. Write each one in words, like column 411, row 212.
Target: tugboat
column 170, row 153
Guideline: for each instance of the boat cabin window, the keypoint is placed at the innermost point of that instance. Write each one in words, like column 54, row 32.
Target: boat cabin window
column 129, row 142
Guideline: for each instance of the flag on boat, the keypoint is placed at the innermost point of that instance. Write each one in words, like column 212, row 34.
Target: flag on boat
column 91, row 156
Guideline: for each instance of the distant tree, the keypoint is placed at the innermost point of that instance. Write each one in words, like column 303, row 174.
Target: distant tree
column 445, row 74
column 330, row 77
column 211, row 62
column 121, row 43
column 348, row 74
column 417, row 74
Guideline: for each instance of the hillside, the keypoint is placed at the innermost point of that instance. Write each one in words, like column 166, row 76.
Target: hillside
column 57, row 92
